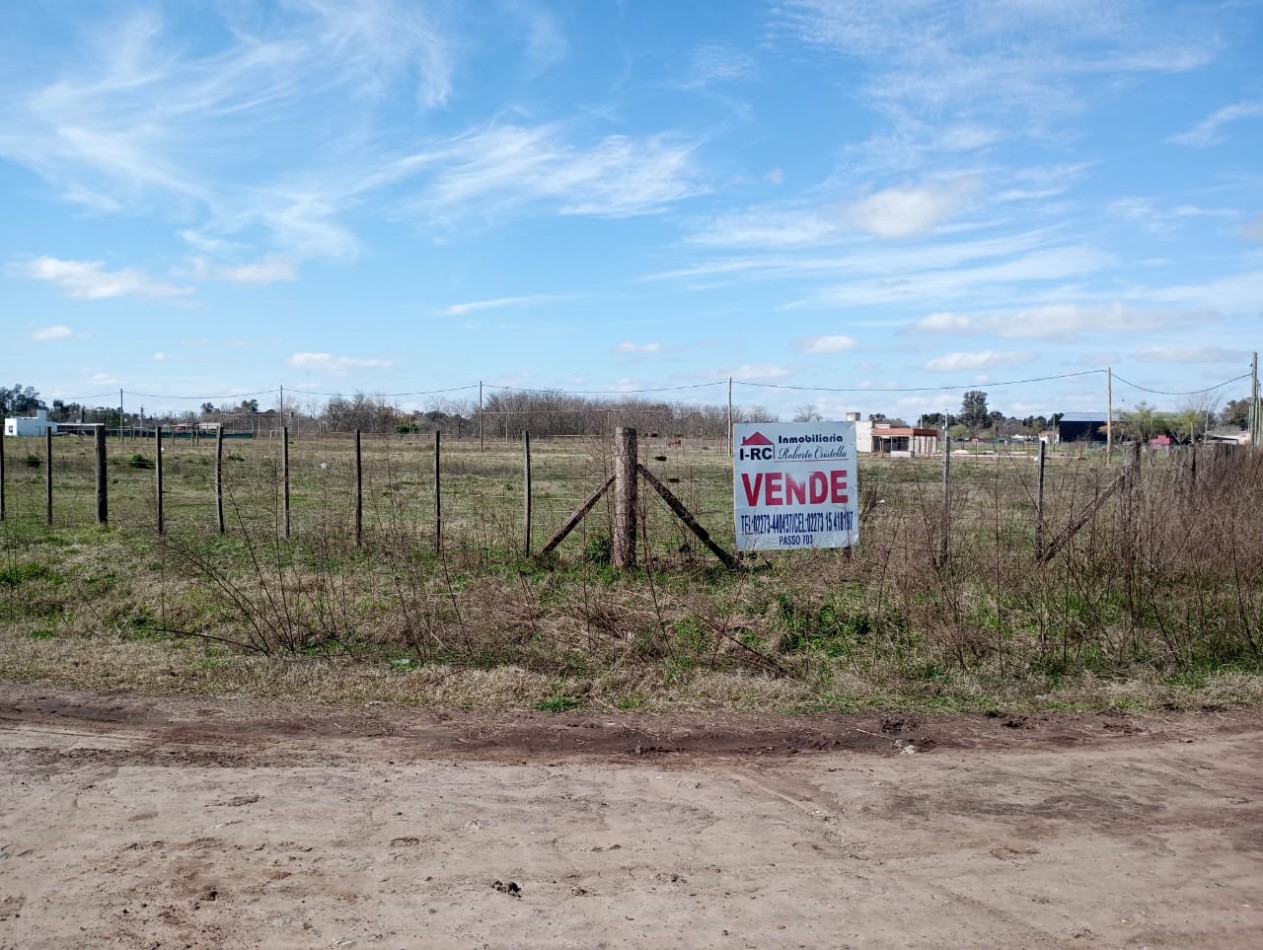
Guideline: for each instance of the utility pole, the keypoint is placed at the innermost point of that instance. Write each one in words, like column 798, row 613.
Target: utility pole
column 1109, row 414
column 729, row 418
column 120, row 415
column 1254, row 426
column 480, row 436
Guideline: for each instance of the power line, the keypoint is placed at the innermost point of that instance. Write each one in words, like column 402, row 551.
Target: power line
column 1191, row 392
column 610, row 392
column 261, row 392
column 419, row 392
column 922, row 389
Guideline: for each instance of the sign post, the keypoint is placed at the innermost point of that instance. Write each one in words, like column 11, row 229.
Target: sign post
column 795, row 485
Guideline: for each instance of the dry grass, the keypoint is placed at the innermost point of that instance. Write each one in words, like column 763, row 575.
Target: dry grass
column 1156, row 602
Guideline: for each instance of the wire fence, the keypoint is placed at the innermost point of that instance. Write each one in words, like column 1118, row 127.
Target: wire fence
column 459, row 495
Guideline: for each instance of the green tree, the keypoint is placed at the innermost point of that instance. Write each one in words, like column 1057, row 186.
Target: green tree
column 1142, row 423
column 19, row 398
column 1236, row 413
column 973, row 410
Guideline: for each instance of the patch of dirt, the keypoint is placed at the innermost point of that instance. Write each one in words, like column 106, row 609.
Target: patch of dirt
column 152, row 823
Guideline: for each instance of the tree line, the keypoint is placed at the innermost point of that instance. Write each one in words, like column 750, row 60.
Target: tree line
column 507, row 414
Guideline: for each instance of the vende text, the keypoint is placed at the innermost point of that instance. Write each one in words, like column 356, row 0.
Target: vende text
column 781, row 488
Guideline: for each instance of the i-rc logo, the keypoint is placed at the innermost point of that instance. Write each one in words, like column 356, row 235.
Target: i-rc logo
column 757, row 446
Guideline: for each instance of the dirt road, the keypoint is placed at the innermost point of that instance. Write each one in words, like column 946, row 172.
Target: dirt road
column 141, row 823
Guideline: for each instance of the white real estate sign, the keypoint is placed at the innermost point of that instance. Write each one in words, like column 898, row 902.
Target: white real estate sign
column 795, row 485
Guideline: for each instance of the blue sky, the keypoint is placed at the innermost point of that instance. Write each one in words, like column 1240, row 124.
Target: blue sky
column 203, row 199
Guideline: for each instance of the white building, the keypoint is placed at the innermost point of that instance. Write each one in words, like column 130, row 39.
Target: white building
column 37, row 424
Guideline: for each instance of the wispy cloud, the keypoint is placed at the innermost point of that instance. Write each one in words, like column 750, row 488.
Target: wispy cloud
column 971, row 362
column 1210, row 130
column 335, row 365
column 826, row 344
column 1190, row 354
column 267, row 270
column 1057, row 322
column 640, row 348
column 764, row 227
column 89, row 280
column 1252, row 230
column 457, row 309
column 498, row 169
column 961, row 75
column 713, row 63
column 944, row 320
column 911, row 209
column 59, row 332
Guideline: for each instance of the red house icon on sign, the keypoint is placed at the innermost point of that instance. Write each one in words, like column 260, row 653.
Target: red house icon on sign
column 757, row 439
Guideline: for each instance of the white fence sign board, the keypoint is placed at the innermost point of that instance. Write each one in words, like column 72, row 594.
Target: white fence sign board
column 795, row 485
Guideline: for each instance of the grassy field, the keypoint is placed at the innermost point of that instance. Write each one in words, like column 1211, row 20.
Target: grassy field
column 1156, row 601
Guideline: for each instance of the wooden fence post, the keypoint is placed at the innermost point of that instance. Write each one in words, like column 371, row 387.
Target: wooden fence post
column 157, row 465
column 359, row 492
column 625, row 490
column 526, row 472
column 438, row 493
column 219, row 477
column 1039, row 504
column 102, row 482
column 2, row 508
column 48, row 473
column 285, row 476
column 945, row 540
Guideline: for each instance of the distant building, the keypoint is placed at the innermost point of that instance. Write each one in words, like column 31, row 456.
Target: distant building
column 1082, row 427
column 903, row 441
column 36, row 425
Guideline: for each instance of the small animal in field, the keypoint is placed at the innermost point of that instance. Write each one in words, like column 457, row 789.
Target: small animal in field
column 674, row 443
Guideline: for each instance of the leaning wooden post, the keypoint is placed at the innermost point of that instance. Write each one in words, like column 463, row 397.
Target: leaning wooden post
column 625, row 485
column 219, row 477
column 438, row 493
column 102, row 499
column 285, row 476
column 526, row 473
column 359, row 492
column 48, row 473
column 1039, row 504
column 945, row 540
column 157, row 467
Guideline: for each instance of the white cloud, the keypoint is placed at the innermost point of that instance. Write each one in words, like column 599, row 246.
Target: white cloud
column 1190, row 354
column 1057, row 322
column 266, row 271
column 456, row 309
column 60, row 332
column 495, row 170
column 638, row 347
column 757, row 371
column 944, row 321
column 136, row 118
column 983, row 359
column 764, row 228
column 911, row 209
column 966, row 75
column 1207, row 132
column 336, row 365
column 826, row 344
column 88, row 280
column 712, row 63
